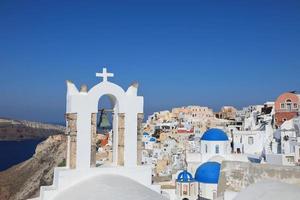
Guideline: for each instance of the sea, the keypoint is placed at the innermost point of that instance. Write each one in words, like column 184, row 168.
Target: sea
column 15, row 152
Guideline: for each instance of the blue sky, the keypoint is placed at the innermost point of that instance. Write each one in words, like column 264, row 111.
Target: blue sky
column 210, row 53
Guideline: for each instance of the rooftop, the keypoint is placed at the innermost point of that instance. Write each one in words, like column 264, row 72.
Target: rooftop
column 109, row 187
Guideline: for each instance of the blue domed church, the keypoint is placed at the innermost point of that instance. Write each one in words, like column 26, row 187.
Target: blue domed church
column 215, row 145
column 214, row 142
column 202, row 186
column 186, row 186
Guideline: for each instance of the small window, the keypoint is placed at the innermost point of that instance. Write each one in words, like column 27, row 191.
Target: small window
column 295, row 105
column 282, row 106
column 217, row 149
column 250, row 140
column 206, row 148
column 185, row 189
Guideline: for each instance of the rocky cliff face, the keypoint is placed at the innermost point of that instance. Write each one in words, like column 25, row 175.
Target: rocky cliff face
column 24, row 180
column 20, row 129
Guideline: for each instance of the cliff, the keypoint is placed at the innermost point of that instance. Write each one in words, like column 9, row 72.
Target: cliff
column 23, row 181
column 21, row 129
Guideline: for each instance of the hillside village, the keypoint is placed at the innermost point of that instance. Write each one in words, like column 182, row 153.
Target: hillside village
column 195, row 139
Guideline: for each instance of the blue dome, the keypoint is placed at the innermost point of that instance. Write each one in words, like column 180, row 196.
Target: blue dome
column 214, row 134
column 184, row 176
column 208, row 173
column 145, row 133
column 152, row 139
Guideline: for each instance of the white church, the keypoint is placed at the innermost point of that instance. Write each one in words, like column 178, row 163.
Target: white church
column 204, row 168
column 121, row 179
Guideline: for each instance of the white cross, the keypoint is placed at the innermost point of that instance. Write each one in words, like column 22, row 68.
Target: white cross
column 104, row 74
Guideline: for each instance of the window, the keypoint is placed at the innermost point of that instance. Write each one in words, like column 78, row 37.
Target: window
column 217, row 149
column 206, row 148
column 295, row 105
column 185, row 189
column 282, row 106
column 250, row 140
column 288, row 104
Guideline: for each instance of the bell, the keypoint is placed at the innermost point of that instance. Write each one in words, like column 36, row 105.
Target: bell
column 103, row 123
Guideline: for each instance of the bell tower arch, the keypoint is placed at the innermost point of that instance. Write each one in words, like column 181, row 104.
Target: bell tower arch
column 82, row 107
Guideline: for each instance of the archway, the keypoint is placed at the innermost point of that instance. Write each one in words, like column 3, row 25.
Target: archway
column 103, row 131
column 107, row 124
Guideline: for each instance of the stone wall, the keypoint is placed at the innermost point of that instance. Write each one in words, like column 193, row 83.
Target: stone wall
column 93, row 139
column 235, row 176
column 121, row 131
column 140, row 119
column 71, row 131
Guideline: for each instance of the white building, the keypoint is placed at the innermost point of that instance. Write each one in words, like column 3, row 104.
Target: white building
column 249, row 142
column 287, row 141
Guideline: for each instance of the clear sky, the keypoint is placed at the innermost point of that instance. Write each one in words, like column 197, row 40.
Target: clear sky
column 210, row 53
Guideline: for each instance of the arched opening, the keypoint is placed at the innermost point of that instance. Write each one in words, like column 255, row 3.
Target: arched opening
column 104, row 148
column 288, row 104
